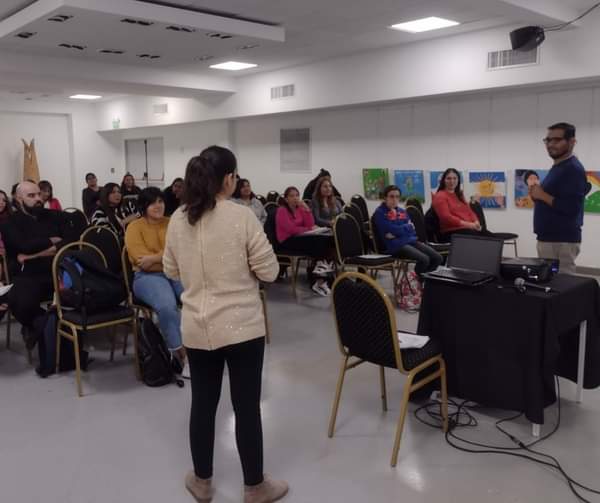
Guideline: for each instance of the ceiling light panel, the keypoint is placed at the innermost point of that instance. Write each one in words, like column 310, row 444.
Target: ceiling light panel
column 425, row 24
column 85, row 97
column 233, row 66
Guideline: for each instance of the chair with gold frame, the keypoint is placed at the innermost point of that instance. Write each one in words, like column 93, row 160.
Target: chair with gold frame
column 366, row 329
column 71, row 322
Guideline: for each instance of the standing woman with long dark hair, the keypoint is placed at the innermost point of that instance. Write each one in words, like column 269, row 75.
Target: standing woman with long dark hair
column 219, row 252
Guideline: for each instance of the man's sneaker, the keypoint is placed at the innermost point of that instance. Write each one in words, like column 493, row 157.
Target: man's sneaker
column 319, row 290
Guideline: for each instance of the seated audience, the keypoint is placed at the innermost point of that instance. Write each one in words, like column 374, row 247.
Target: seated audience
column 109, row 213
column 5, row 207
column 292, row 220
column 32, row 236
column 309, row 191
column 173, row 195
column 325, row 206
column 243, row 195
column 145, row 241
column 129, row 195
column 453, row 211
column 50, row 202
column 398, row 235
column 90, row 196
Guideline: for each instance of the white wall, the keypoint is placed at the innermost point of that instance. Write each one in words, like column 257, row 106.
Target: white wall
column 498, row 132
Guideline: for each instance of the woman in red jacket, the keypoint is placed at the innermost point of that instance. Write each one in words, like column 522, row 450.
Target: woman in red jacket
column 293, row 219
column 46, row 192
column 452, row 209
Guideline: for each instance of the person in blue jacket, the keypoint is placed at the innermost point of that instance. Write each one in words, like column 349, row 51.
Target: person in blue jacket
column 397, row 233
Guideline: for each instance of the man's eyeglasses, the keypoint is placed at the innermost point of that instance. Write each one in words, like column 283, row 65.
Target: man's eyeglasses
column 552, row 140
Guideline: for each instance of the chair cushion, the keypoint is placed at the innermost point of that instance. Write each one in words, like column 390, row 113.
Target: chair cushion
column 506, row 236
column 370, row 262
column 117, row 313
column 411, row 358
column 439, row 247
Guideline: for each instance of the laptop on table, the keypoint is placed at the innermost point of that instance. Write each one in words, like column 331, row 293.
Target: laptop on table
column 472, row 261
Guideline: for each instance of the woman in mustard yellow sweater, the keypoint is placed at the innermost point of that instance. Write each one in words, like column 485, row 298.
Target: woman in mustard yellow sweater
column 145, row 241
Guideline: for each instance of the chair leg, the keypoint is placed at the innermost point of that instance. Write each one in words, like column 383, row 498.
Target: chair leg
column 516, row 251
column 444, row 391
column 125, row 338
column 263, row 298
column 400, row 427
column 58, row 337
column 136, row 360
column 338, row 395
column 295, row 268
column 8, row 324
column 113, row 342
column 383, row 389
column 77, row 362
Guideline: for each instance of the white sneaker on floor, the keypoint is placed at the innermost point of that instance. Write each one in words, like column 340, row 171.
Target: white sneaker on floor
column 325, row 287
column 319, row 290
column 185, row 373
column 324, row 266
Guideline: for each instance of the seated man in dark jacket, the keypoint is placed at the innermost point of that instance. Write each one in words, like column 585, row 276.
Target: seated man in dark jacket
column 32, row 236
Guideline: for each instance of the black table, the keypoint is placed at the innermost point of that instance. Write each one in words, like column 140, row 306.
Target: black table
column 502, row 348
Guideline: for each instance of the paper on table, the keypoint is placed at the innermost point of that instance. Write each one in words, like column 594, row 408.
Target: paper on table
column 410, row 341
column 5, row 289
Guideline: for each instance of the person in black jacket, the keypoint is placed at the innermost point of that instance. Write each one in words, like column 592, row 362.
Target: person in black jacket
column 310, row 188
column 173, row 196
column 90, row 196
column 32, row 236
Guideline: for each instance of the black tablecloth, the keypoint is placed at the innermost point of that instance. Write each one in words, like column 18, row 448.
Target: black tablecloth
column 502, row 348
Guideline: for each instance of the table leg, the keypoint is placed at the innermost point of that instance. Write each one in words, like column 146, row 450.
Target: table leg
column 581, row 362
column 535, row 429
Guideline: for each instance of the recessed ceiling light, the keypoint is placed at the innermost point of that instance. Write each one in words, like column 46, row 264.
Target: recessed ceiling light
column 425, row 24
column 85, row 97
column 233, row 66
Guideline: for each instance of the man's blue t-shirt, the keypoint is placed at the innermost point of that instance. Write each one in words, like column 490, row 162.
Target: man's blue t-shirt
column 562, row 221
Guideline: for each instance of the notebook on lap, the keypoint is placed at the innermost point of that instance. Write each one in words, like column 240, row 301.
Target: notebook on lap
column 472, row 261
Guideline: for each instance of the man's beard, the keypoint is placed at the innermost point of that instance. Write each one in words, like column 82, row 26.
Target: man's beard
column 36, row 210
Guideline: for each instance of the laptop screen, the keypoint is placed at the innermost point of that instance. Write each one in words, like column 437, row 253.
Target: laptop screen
column 476, row 253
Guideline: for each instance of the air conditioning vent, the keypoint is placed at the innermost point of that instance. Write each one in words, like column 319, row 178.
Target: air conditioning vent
column 280, row 92
column 161, row 108
column 204, row 58
column 183, row 29
column 26, row 34
column 248, row 46
column 77, row 47
column 509, row 59
column 111, row 51
column 148, row 56
column 60, row 18
column 139, row 22
column 222, row 36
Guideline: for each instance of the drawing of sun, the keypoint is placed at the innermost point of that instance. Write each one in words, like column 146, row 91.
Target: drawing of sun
column 487, row 188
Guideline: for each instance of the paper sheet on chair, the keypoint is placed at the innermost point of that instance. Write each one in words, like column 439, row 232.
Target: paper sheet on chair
column 317, row 230
column 4, row 289
column 412, row 341
column 374, row 256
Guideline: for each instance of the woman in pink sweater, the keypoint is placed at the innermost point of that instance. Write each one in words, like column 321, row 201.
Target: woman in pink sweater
column 452, row 209
column 293, row 219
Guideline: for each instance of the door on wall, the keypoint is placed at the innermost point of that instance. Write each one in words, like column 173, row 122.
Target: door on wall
column 144, row 159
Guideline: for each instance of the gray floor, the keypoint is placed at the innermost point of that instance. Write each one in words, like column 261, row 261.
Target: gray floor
column 124, row 442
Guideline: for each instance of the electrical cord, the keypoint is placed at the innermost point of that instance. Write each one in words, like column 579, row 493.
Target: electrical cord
column 462, row 416
column 558, row 27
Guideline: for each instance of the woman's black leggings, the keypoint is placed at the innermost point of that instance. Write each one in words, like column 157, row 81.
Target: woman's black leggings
column 244, row 362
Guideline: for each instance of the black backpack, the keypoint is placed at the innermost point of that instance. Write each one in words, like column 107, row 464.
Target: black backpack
column 87, row 285
column 156, row 364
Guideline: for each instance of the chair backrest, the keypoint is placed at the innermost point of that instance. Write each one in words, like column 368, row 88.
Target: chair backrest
column 75, row 223
column 348, row 237
column 478, row 210
column 272, row 196
column 281, row 200
column 108, row 243
column 353, row 210
column 77, row 245
column 365, row 320
column 262, row 199
column 418, row 220
column 432, row 226
column 270, row 224
column 413, row 201
column 378, row 245
column 359, row 201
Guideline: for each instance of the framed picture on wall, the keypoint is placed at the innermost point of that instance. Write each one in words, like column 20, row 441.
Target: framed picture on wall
column 374, row 181
column 592, row 200
column 525, row 178
column 411, row 183
column 488, row 188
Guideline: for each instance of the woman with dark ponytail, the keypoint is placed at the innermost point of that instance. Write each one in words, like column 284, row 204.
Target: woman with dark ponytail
column 219, row 252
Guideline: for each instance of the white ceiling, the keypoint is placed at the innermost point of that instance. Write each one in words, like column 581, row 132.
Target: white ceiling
column 314, row 30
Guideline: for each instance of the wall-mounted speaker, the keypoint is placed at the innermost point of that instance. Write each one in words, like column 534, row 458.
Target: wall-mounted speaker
column 527, row 38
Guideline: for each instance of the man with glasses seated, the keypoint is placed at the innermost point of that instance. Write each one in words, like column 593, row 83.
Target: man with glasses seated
column 559, row 200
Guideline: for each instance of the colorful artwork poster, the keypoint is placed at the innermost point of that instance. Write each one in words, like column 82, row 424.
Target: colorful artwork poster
column 592, row 200
column 525, row 178
column 374, row 181
column 436, row 176
column 489, row 188
column 411, row 183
